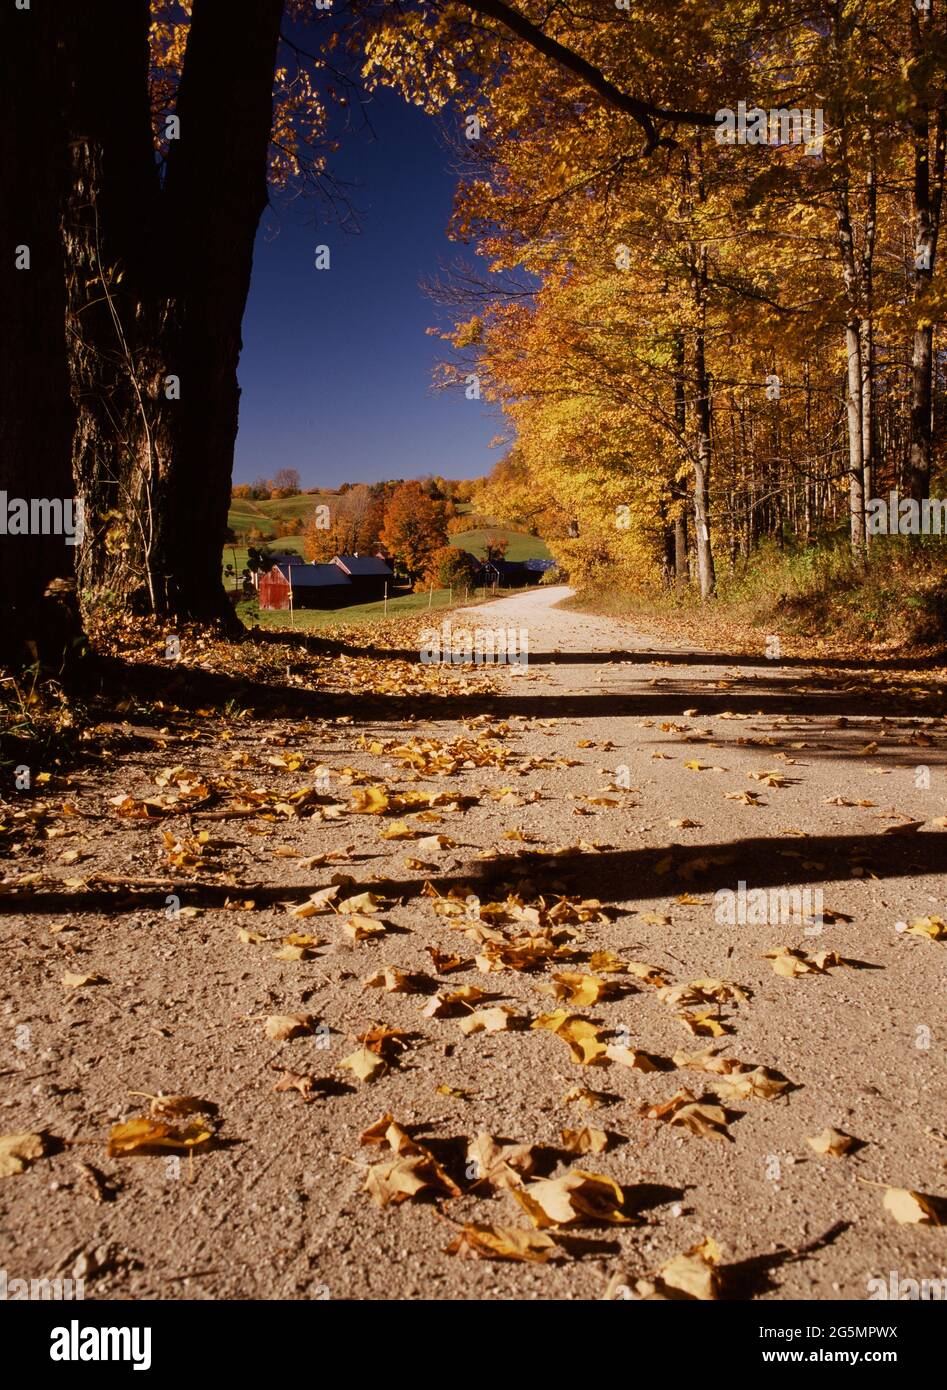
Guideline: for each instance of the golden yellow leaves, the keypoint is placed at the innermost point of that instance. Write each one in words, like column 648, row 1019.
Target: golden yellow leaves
column 495, row 1020
column 364, row 1064
column 584, row 1096
column 370, row 801
column 380, row 1046
column 756, row 1084
column 450, row 1003
column 379, row 800
column 579, row 989
column 772, row 779
column 583, row 1039
column 587, row 1140
column 791, row 962
column 144, row 1135
column 934, row 928
column 391, row 980
column 17, row 1152
column 631, row 1057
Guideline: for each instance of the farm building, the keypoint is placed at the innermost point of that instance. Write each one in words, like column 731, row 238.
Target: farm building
column 368, row 575
column 313, row 586
column 512, row 574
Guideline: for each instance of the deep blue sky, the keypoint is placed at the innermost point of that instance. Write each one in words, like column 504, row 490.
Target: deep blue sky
column 336, row 369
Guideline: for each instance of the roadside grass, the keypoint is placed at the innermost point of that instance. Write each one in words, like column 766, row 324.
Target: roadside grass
column 817, row 592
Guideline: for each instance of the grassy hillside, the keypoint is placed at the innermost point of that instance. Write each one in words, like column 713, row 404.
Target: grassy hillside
column 245, row 514
column 519, row 545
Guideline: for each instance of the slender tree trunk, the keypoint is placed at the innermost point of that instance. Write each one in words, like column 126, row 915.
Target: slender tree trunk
column 928, row 195
column 702, row 460
column 41, row 619
column 679, row 486
column 853, row 402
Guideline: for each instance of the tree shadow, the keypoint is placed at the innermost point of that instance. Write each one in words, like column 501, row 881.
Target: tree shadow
column 622, row 875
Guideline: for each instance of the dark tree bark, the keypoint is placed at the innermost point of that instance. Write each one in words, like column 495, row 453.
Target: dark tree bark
column 41, row 619
column 216, row 193
column 116, row 276
column 158, row 275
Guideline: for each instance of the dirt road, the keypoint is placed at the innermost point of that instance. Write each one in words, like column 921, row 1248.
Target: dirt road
column 612, row 767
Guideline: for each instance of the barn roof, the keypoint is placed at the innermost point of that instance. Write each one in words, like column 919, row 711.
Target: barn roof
column 312, row 576
column 363, row 566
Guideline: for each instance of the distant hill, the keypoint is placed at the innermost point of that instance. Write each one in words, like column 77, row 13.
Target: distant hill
column 519, row 545
column 244, row 515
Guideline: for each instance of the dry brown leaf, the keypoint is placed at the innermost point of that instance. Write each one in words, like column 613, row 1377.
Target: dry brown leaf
column 693, row 1274
column 364, row 1065
column 498, row 1165
column 582, row 1095
column 577, row 1197
column 631, row 1057
column 72, row 981
column 587, row 1140
column 757, row 1084
column 280, row 1027
column 831, row 1141
column 495, row 1020
column 502, row 1243
column 17, row 1152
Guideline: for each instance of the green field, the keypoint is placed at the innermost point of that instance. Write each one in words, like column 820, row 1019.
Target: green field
column 519, row 547
column 245, row 515
column 362, row 614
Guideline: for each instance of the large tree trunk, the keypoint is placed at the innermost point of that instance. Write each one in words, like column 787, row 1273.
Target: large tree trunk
column 216, row 193
column 115, row 263
column 159, row 275
column 41, row 620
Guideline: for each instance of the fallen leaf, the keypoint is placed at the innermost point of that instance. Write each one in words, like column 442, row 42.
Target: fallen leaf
column 910, row 1208
column 502, row 1243
column 364, row 1064
column 142, row 1134
column 831, row 1141
column 17, row 1152
column 577, row 1197
column 280, row 1027
column 585, row 1141
column 582, row 1038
